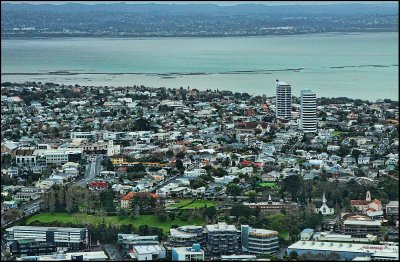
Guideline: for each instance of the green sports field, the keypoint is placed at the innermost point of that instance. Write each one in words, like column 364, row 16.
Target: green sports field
column 84, row 219
column 198, row 203
column 272, row 185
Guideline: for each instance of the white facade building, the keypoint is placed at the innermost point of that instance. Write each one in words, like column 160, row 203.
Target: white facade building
column 308, row 116
column 283, row 100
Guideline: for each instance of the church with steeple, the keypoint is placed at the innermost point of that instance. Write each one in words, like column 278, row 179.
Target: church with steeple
column 324, row 209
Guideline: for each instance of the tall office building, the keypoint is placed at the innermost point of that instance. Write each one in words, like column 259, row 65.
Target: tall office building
column 283, row 104
column 308, row 114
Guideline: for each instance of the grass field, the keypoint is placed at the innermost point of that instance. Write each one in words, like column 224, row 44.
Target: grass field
column 335, row 133
column 272, row 185
column 198, row 203
column 82, row 219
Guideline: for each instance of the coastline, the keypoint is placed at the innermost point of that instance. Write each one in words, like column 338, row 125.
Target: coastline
column 56, row 36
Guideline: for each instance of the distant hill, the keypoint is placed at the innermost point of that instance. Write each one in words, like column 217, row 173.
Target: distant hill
column 137, row 20
column 343, row 9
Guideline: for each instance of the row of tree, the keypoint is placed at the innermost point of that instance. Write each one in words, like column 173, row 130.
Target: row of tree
column 72, row 198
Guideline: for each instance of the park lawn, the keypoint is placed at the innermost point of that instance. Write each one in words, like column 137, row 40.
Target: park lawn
column 272, row 185
column 182, row 203
column 82, row 219
column 198, row 203
column 335, row 133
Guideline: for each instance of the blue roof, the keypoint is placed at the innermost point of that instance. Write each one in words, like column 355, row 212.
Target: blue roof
column 308, row 231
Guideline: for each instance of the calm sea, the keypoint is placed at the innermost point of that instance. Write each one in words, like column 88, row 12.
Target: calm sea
column 362, row 65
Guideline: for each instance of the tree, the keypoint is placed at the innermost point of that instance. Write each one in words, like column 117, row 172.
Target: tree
column 93, row 201
column 107, row 200
column 52, row 201
column 252, row 196
column 384, row 231
column 355, row 153
column 69, row 199
column 162, row 217
column 169, row 153
column 210, row 212
column 136, row 168
column 142, row 124
column 276, row 222
column 61, row 197
column 172, row 216
column 143, row 230
column 179, row 164
column 233, row 189
column 11, row 214
column 197, row 182
column 143, row 201
column 219, row 172
column 226, row 162
column 180, row 155
column 292, row 185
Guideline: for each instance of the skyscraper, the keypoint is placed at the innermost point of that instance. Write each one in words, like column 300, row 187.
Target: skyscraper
column 308, row 114
column 283, row 99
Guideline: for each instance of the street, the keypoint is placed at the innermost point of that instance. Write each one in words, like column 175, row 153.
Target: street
column 25, row 210
column 93, row 168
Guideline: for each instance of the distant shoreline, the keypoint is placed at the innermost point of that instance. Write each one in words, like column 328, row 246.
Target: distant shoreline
column 156, row 88
column 55, row 36
column 169, row 74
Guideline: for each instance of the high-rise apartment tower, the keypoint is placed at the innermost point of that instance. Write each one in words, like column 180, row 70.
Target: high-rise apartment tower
column 308, row 114
column 283, row 104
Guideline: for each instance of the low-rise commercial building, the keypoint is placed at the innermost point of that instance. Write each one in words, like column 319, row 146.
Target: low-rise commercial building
column 74, row 238
column 60, row 156
column 185, row 236
column 331, row 237
column 222, row 239
column 76, row 256
column 345, row 251
column 359, row 226
column 31, row 247
column 142, row 248
column 392, row 208
column 193, row 253
column 238, row 258
column 273, row 206
column 259, row 241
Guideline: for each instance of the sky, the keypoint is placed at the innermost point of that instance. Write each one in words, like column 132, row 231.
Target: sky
column 226, row 3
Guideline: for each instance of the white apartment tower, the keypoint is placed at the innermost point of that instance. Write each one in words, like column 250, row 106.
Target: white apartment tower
column 283, row 104
column 308, row 114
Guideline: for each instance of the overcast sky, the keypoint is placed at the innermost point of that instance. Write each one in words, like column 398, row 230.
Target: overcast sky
column 210, row 2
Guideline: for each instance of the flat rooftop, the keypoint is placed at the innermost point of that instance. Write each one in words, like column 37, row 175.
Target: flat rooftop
column 33, row 228
column 362, row 222
column 148, row 249
column 179, row 233
column 87, row 256
column 222, row 226
column 381, row 250
column 187, row 250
